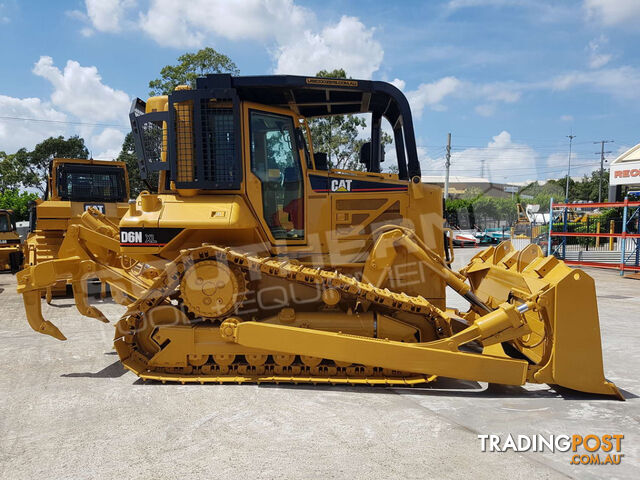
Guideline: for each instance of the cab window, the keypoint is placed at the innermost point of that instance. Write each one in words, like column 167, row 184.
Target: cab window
column 275, row 161
column 5, row 224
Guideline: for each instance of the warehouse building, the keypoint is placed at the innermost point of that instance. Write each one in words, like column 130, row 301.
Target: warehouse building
column 458, row 186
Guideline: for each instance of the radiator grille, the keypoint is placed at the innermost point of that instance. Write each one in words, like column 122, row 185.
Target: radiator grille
column 185, row 146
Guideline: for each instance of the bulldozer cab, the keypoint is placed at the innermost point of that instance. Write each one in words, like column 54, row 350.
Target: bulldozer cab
column 79, row 180
column 6, row 221
column 73, row 186
column 249, row 136
column 9, row 238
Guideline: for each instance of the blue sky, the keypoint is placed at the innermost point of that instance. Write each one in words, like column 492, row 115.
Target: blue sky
column 509, row 79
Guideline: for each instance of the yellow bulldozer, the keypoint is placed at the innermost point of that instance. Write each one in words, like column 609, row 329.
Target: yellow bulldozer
column 255, row 261
column 9, row 239
column 73, row 186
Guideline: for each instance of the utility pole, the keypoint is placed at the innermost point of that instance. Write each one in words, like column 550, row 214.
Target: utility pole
column 566, row 193
column 447, row 165
column 601, row 153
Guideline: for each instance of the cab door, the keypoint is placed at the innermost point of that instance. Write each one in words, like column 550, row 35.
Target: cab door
column 275, row 174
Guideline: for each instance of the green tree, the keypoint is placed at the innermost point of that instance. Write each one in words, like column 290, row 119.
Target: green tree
column 191, row 66
column 392, row 168
column 13, row 199
column 10, row 177
column 33, row 166
column 128, row 155
column 338, row 135
column 585, row 189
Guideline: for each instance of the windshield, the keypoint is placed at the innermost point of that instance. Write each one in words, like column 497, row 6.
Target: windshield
column 5, row 224
column 91, row 183
column 275, row 161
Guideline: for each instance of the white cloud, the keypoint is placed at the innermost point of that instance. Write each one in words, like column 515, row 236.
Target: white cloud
column 4, row 18
column 77, row 15
column 566, row 118
column 537, row 10
column 507, row 92
column 78, row 100
column 460, row 4
column 79, row 90
column 622, row 82
column 293, row 36
column 432, row 94
column 503, row 159
column 194, row 20
column 348, row 44
column 107, row 15
column 399, row 84
column 613, row 12
column 597, row 59
column 557, row 166
column 485, row 110
column 107, row 144
column 15, row 134
column 558, row 160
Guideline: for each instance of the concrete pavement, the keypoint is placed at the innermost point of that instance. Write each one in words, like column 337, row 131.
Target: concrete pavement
column 69, row 410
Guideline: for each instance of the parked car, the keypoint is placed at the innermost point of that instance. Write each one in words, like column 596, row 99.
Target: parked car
column 492, row 236
column 463, row 238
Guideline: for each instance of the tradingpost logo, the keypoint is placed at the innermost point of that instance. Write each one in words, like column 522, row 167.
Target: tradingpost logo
column 583, row 449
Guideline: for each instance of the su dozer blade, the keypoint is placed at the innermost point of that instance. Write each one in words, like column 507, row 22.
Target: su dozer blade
column 256, row 261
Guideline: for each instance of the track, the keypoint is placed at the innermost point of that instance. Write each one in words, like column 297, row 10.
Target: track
column 142, row 344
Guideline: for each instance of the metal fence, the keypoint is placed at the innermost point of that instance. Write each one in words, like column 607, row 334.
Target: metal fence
column 596, row 241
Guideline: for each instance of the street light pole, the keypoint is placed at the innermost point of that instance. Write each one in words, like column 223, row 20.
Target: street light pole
column 566, row 193
column 447, row 164
column 601, row 153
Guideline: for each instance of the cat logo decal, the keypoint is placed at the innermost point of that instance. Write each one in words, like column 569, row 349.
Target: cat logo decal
column 340, row 185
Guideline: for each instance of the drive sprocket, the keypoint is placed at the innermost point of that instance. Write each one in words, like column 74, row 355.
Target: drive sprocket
column 212, row 289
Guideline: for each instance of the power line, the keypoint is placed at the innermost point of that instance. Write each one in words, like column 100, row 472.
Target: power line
column 544, row 169
column 4, row 117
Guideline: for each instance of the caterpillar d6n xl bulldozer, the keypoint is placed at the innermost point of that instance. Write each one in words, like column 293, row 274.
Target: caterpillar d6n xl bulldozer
column 9, row 239
column 255, row 262
column 73, row 186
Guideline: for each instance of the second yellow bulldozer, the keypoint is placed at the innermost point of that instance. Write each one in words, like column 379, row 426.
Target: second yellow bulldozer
column 73, row 186
column 9, row 239
column 257, row 262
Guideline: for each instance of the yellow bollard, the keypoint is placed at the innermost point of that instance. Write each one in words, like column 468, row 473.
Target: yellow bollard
column 598, row 231
column 611, row 228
